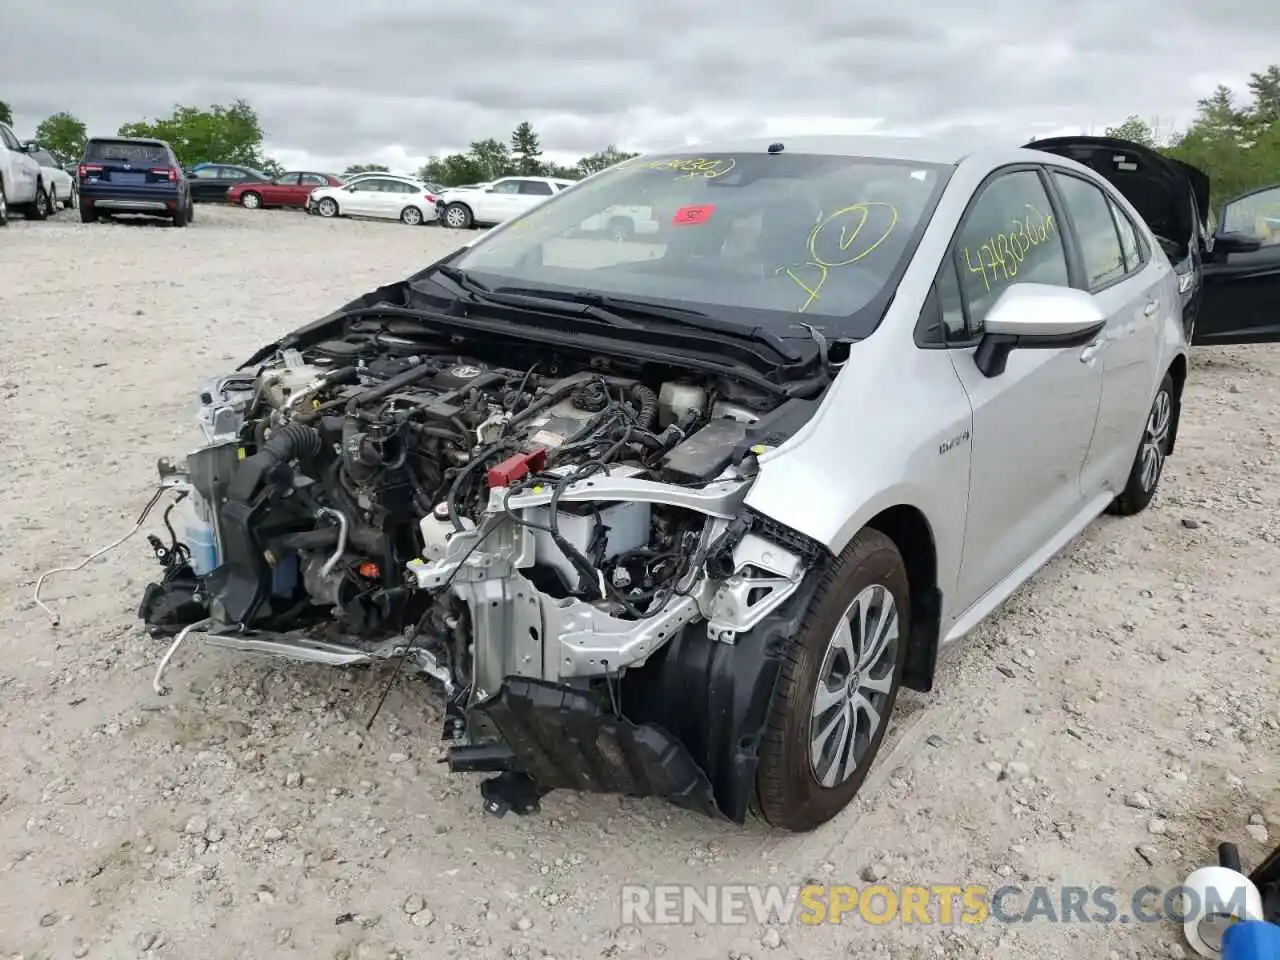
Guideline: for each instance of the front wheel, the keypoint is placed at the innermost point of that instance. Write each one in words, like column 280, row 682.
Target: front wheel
column 4, row 206
column 328, row 207
column 1148, row 463
column 839, row 681
column 250, row 200
column 458, row 216
column 51, row 202
column 73, row 199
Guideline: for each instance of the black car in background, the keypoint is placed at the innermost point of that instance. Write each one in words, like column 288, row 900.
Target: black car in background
column 132, row 175
column 210, row 181
column 1243, row 245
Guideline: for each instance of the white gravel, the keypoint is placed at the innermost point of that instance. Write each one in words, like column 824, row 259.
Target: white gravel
column 1119, row 718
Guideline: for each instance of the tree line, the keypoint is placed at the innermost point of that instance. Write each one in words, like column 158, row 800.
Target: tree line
column 232, row 133
column 1234, row 138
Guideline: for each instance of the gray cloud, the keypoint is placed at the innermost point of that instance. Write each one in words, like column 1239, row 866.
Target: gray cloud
column 337, row 83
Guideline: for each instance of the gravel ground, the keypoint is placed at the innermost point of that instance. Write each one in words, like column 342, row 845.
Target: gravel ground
column 1118, row 718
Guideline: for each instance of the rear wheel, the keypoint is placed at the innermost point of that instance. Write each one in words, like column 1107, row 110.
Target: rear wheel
column 250, row 200
column 840, row 678
column 412, row 216
column 180, row 215
column 73, row 199
column 88, row 214
column 38, row 210
column 51, row 202
column 4, row 206
column 1148, row 463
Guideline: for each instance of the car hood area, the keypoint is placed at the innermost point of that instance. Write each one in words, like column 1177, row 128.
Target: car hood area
column 1157, row 186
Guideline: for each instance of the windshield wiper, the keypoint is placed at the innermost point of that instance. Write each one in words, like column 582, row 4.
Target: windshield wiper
column 535, row 300
column 684, row 316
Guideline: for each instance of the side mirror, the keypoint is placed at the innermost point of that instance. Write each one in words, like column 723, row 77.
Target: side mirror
column 1036, row 316
column 1224, row 243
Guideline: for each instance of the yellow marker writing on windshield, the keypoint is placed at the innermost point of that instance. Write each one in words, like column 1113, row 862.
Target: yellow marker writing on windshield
column 822, row 238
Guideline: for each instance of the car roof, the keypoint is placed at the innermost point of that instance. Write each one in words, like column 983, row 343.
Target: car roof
column 920, row 149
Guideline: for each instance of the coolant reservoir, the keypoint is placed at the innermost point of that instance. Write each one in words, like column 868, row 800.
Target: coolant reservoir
column 677, row 399
column 197, row 533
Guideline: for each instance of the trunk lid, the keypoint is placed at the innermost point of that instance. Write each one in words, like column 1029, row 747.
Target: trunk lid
column 127, row 163
column 1172, row 196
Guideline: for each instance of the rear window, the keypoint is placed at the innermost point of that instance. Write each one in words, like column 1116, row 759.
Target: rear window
column 142, row 153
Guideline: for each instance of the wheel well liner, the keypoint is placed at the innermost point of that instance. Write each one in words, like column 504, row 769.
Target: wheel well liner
column 908, row 528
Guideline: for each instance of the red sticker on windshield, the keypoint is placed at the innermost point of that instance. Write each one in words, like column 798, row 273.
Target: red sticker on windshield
column 693, row 214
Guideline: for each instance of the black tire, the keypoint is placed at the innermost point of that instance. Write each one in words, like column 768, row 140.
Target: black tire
column 458, row 216
column 412, row 216
column 88, row 214
column 73, row 200
column 40, row 209
column 327, row 207
column 180, row 216
column 1148, row 462
column 789, row 794
column 51, row 207
column 191, row 210
column 4, row 206
column 251, row 204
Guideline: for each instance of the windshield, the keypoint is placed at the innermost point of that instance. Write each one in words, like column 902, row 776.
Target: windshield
column 762, row 237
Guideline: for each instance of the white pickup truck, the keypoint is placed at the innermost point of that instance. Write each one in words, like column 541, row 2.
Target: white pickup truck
column 21, row 183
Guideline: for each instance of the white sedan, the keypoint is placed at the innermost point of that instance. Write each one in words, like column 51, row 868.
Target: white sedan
column 488, row 204
column 386, row 197
column 61, row 186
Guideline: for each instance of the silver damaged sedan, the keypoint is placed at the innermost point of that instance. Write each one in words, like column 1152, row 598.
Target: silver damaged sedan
column 671, row 483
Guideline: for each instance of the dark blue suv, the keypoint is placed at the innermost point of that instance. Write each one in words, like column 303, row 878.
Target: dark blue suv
column 133, row 175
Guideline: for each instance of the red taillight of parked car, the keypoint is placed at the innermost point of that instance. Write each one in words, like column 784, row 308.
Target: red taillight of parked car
column 429, row 197
column 87, row 168
column 167, row 172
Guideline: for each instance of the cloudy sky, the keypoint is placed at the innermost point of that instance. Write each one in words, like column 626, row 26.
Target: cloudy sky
column 391, row 82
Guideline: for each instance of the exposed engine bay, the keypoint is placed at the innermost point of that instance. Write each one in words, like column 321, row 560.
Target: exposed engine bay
column 541, row 531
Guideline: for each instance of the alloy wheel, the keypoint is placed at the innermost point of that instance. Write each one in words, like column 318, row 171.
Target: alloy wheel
column 251, row 201
column 412, row 216
column 327, row 207
column 1155, row 438
column 455, row 217
column 854, row 684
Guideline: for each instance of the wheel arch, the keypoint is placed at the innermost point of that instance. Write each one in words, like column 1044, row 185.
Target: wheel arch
column 1178, row 374
column 912, row 534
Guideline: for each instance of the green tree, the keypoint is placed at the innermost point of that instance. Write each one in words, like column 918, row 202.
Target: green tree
column 492, row 158
column 62, row 134
column 365, row 168
column 601, row 160
column 452, row 170
column 6, row 113
column 221, row 133
column 526, row 150
column 1135, row 129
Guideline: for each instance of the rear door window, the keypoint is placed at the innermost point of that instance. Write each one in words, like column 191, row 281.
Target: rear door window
column 141, row 154
column 43, row 158
column 535, row 187
column 1104, row 260
column 1130, row 245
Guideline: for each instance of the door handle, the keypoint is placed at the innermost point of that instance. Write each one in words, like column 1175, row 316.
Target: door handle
column 1091, row 350
column 1151, row 308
